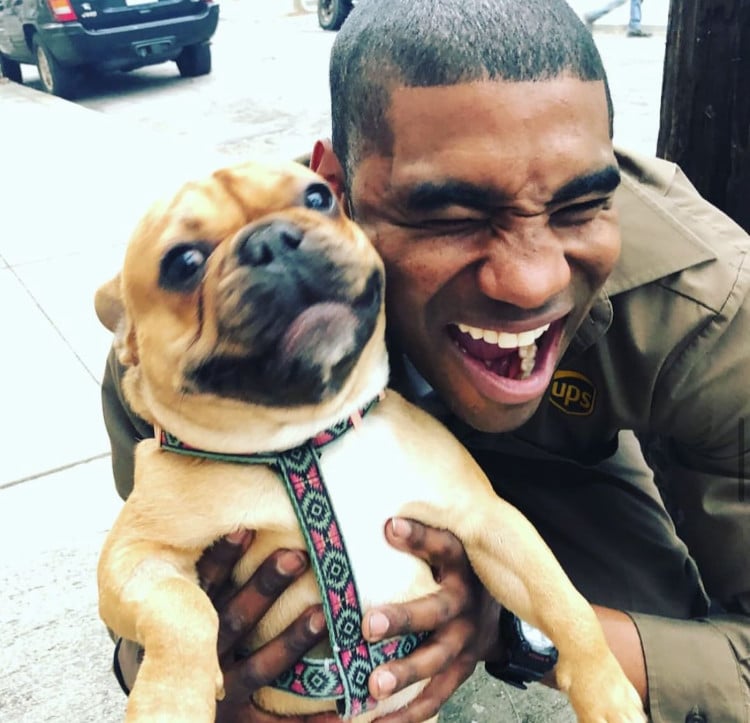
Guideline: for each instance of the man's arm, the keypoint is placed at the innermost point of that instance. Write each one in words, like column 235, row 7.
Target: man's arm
column 702, row 665
column 700, row 413
column 625, row 643
column 125, row 428
column 696, row 667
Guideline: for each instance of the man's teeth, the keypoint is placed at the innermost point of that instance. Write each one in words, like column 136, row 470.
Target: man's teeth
column 504, row 339
column 524, row 343
column 528, row 359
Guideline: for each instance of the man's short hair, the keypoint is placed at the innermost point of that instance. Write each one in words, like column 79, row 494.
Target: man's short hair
column 384, row 44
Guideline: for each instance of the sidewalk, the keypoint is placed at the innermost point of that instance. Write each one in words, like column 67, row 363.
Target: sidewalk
column 56, row 495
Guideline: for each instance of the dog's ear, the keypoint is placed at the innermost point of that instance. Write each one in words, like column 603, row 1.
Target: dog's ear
column 111, row 311
column 108, row 304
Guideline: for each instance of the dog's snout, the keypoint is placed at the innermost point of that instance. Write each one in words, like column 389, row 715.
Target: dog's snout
column 267, row 243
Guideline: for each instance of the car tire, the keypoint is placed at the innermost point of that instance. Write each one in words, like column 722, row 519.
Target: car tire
column 194, row 60
column 56, row 79
column 10, row 69
column 332, row 13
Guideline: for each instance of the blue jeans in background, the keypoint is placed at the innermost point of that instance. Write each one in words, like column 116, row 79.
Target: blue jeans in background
column 635, row 13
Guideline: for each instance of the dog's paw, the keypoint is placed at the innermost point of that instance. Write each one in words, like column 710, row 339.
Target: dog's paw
column 600, row 693
column 167, row 690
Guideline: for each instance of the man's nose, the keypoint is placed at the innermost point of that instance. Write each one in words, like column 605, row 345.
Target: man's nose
column 525, row 270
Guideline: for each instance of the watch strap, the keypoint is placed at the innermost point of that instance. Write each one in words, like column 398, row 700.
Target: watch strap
column 520, row 663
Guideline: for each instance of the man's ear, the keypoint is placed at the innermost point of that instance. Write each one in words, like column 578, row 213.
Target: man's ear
column 325, row 163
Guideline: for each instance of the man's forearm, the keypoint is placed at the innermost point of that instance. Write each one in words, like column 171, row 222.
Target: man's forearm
column 625, row 643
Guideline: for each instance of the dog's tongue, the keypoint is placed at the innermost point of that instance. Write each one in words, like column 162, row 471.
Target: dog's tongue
column 321, row 333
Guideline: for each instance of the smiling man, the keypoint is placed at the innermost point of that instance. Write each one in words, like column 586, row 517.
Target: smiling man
column 578, row 317
column 496, row 241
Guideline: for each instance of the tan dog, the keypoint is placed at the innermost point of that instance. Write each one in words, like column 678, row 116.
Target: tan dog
column 250, row 314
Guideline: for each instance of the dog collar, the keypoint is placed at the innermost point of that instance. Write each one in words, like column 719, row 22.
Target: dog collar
column 344, row 676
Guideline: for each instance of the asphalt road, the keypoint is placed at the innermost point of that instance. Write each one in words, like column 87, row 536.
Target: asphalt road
column 267, row 93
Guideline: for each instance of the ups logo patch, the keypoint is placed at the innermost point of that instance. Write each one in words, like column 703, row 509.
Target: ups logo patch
column 572, row 393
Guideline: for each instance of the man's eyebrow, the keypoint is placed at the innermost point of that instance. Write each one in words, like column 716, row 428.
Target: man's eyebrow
column 429, row 196
column 604, row 181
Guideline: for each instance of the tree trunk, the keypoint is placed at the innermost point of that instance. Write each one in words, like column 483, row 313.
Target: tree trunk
column 705, row 105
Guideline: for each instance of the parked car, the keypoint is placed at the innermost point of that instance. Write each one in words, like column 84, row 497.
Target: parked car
column 63, row 37
column 332, row 13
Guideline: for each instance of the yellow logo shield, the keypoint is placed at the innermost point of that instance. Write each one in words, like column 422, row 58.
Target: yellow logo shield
column 572, row 393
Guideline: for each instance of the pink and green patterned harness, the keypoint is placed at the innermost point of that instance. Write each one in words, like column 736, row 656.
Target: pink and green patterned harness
column 344, row 676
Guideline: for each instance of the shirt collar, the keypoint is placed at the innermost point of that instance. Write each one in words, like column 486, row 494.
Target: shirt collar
column 656, row 238
column 654, row 215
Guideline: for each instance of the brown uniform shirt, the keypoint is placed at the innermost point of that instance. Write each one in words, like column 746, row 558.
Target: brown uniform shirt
column 660, row 371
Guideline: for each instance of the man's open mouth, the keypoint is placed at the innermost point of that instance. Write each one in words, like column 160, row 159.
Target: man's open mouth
column 507, row 354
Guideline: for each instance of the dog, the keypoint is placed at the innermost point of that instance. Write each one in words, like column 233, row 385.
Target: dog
column 249, row 314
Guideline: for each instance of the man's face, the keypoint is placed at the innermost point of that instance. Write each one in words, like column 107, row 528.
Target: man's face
column 493, row 214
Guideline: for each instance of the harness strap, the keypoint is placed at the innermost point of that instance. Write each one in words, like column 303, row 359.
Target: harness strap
column 344, row 676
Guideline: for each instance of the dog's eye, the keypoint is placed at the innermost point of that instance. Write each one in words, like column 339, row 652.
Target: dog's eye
column 319, row 197
column 182, row 266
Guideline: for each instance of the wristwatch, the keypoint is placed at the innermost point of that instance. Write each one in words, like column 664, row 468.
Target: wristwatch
column 528, row 654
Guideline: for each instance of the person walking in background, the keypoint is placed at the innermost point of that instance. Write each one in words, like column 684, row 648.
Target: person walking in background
column 634, row 26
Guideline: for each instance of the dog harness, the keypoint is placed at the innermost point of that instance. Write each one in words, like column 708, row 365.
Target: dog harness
column 344, row 676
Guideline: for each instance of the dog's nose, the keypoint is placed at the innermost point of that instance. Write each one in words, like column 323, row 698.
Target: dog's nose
column 264, row 244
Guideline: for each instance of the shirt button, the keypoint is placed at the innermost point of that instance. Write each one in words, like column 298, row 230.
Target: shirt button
column 695, row 716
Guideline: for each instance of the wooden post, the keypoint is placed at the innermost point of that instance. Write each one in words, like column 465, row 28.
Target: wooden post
column 705, row 105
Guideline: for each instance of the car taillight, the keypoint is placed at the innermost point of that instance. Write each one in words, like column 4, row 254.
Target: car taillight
column 62, row 10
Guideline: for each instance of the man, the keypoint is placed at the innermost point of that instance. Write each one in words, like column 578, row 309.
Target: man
column 473, row 143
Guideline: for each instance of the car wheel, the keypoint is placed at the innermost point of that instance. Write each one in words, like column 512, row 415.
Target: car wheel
column 56, row 79
column 194, row 60
column 332, row 13
column 10, row 69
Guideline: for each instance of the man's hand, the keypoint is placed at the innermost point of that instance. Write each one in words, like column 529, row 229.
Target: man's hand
column 461, row 613
column 239, row 612
column 462, row 616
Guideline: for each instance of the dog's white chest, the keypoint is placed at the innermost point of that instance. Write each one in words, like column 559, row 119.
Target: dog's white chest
column 369, row 477
column 370, row 473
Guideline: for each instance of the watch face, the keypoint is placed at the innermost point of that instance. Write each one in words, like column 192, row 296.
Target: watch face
column 537, row 639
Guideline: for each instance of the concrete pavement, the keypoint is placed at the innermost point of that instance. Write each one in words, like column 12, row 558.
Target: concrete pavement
column 72, row 184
